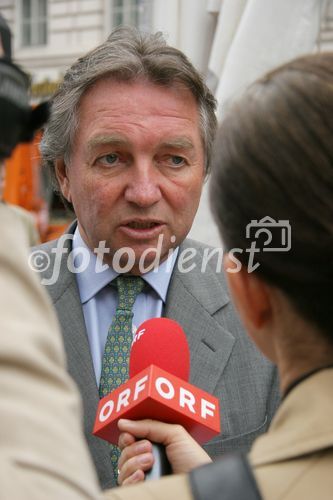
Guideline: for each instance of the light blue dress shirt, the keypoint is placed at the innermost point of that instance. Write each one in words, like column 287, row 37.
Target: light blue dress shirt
column 99, row 299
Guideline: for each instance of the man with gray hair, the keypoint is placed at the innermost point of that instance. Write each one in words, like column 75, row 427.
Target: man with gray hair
column 129, row 145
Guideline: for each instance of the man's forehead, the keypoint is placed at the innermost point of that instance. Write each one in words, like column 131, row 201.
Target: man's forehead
column 117, row 118
column 119, row 139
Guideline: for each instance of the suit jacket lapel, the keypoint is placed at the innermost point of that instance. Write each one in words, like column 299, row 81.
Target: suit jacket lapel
column 192, row 300
column 66, row 299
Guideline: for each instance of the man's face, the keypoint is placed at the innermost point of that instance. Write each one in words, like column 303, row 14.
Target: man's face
column 137, row 166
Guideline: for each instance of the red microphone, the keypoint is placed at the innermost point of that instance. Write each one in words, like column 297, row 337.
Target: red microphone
column 161, row 342
column 159, row 368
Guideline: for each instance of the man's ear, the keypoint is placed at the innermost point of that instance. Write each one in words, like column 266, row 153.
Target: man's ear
column 250, row 295
column 61, row 173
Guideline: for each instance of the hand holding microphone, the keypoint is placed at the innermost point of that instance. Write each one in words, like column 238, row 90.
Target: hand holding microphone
column 182, row 451
column 158, row 389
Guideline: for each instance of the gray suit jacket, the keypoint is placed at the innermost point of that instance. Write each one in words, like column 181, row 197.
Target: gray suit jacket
column 224, row 361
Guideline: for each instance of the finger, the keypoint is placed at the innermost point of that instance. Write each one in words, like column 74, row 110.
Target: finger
column 125, row 439
column 135, row 449
column 137, row 477
column 138, row 463
column 155, row 431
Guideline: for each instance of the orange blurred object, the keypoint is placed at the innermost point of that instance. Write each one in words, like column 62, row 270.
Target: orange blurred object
column 24, row 187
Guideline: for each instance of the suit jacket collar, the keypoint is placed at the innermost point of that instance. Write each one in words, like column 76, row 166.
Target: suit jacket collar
column 66, row 299
column 193, row 299
column 60, row 256
column 302, row 425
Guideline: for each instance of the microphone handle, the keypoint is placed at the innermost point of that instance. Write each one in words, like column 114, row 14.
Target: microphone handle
column 161, row 465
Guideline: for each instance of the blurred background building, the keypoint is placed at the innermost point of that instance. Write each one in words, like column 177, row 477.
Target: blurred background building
column 231, row 42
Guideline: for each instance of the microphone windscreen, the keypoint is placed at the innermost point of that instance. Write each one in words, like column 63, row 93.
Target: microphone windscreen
column 161, row 342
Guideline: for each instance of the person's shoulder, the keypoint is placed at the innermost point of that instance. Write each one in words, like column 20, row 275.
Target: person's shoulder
column 190, row 242
column 63, row 243
column 200, row 246
column 200, row 267
column 45, row 247
column 205, row 257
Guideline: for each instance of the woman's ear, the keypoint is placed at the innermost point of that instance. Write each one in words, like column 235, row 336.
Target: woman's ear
column 61, row 174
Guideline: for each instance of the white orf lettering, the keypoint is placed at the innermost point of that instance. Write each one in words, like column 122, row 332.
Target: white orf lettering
column 186, row 398
column 139, row 334
column 123, row 398
column 170, row 393
column 207, row 408
column 139, row 387
column 106, row 411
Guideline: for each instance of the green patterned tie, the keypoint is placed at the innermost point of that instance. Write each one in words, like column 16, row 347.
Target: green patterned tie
column 118, row 344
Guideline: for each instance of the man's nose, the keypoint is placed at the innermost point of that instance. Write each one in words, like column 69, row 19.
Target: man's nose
column 143, row 188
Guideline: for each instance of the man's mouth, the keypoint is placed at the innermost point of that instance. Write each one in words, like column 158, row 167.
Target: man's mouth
column 142, row 228
column 142, row 225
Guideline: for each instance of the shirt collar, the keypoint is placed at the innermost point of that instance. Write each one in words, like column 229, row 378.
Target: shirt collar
column 94, row 277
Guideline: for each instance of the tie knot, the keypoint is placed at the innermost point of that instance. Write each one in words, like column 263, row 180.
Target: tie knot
column 129, row 288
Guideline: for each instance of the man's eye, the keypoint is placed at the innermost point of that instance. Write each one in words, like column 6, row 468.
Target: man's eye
column 110, row 159
column 177, row 161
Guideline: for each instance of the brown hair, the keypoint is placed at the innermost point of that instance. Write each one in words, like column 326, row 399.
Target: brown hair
column 273, row 157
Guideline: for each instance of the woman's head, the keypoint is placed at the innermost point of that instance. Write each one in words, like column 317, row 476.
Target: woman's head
column 274, row 158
